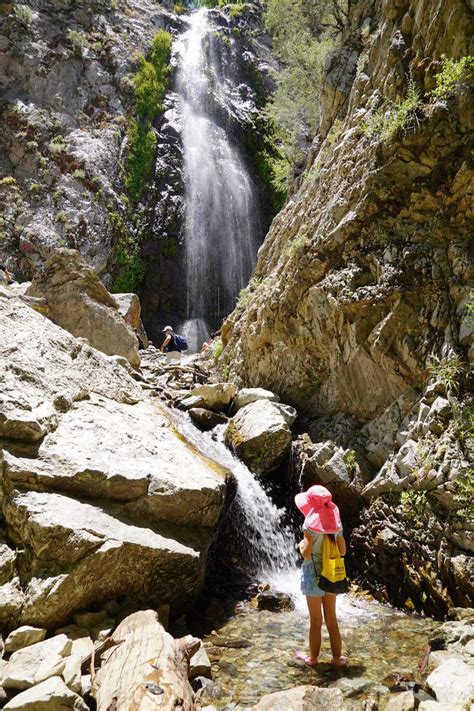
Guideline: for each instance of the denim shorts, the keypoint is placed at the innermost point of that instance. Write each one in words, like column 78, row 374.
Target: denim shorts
column 309, row 586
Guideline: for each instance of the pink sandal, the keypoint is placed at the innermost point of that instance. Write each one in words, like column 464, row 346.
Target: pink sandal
column 339, row 662
column 309, row 661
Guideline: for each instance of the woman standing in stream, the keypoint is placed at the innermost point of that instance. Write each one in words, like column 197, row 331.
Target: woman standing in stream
column 321, row 517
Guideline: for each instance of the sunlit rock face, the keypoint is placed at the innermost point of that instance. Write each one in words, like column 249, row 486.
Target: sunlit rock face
column 209, row 212
column 362, row 277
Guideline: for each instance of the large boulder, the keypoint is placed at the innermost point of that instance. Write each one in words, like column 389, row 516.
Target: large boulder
column 152, row 498
column 80, row 303
column 39, row 383
column 23, row 637
column 215, row 396
column 81, row 554
column 453, row 682
column 130, row 308
column 259, row 435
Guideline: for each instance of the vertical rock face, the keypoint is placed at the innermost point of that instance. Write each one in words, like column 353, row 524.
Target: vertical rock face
column 363, row 276
column 66, row 76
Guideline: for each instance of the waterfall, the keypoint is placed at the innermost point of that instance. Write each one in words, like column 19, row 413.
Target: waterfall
column 264, row 539
column 222, row 224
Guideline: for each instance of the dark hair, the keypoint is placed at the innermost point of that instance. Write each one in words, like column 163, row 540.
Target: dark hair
column 4, row 269
column 332, row 536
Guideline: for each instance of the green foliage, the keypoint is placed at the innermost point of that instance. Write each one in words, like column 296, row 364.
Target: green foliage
column 351, row 461
column 237, row 9
column 61, row 217
column 169, row 247
column 78, row 41
column 24, row 15
column 128, row 257
column 151, row 82
column 7, row 181
column 179, row 9
column 453, row 77
column 463, row 415
column 298, row 244
column 245, row 294
column 217, row 348
column 399, row 116
column 263, row 148
column 448, row 371
column 303, row 33
column 470, row 309
column 413, row 505
column 463, row 496
column 141, row 155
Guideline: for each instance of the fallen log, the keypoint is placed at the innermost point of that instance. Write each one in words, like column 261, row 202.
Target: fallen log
column 148, row 670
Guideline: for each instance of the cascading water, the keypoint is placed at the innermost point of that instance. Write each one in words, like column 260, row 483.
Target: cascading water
column 222, row 225
column 267, row 543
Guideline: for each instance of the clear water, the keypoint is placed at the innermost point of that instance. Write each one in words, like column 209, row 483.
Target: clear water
column 382, row 644
column 221, row 210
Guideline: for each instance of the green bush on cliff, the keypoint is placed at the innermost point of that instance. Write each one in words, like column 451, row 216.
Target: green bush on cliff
column 453, row 77
column 396, row 116
column 151, row 83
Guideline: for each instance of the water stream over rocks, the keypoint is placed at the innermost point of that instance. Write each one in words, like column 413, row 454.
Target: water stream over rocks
column 252, row 653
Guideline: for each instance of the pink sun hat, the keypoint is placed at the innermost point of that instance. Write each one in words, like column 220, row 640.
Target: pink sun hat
column 321, row 514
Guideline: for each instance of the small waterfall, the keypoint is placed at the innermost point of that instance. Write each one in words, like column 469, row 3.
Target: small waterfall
column 268, row 544
column 222, row 223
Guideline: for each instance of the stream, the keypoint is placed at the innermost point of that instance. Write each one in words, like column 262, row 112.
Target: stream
column 252, row 652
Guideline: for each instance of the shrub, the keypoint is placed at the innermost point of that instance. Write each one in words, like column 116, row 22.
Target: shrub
column 413, row 505
column 217, row 348
column 351, row 461
column 298, row 244
column 78, row 41
column 400, row 116
column 453, row 77
column 245, row 294
column 24, row 15
column 463, row 496
column 141, row 156
column 128, row 256
column 8, row 181
column 79, row 174
column 448, row 370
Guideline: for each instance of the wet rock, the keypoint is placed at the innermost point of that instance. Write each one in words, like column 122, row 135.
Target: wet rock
column 215, row 396
column 274, row 601
column 452, row 682
column 206, row 419
column 303, row 698
column 50, row 695
column 80, row 303
column 199, row 664
column 23, row 637
column 259, row 435
column 32, row 665
column 248, row 395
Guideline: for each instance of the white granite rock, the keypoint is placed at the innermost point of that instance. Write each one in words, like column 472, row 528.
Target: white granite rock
column 23, row 637
column 50, row 695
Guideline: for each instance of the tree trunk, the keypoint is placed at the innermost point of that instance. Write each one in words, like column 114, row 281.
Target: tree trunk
column 147, row 671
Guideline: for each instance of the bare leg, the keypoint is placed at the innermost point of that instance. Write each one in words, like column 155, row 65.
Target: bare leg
column 329, row 606
column 315, row 622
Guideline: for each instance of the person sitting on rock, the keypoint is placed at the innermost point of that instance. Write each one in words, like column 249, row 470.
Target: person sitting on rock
column 173, row 345
column 6, row 277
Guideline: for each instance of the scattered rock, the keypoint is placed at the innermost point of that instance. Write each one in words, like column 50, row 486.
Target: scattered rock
column 274, row 601
column 215, row 396
column 50, row 695
column 452, row 682
column 199, row 664
column 32, row 665
column 401, row 702
column 206, row 419
column 23, row 637
column 259, row 435
column 303, row 698
column 247, row 395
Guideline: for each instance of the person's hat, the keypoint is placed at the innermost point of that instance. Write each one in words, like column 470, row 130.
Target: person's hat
column 168, row 328
column 321, row 514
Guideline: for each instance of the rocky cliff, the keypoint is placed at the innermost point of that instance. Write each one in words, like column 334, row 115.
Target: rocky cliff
column 361, row 295
column 67, row 81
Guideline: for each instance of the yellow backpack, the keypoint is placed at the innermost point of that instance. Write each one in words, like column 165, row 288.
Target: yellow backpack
column 333, row 578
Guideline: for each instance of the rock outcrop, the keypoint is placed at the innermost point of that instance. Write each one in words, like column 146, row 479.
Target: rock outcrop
column 104, row 499
column 361, row 294
column 79, row 302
